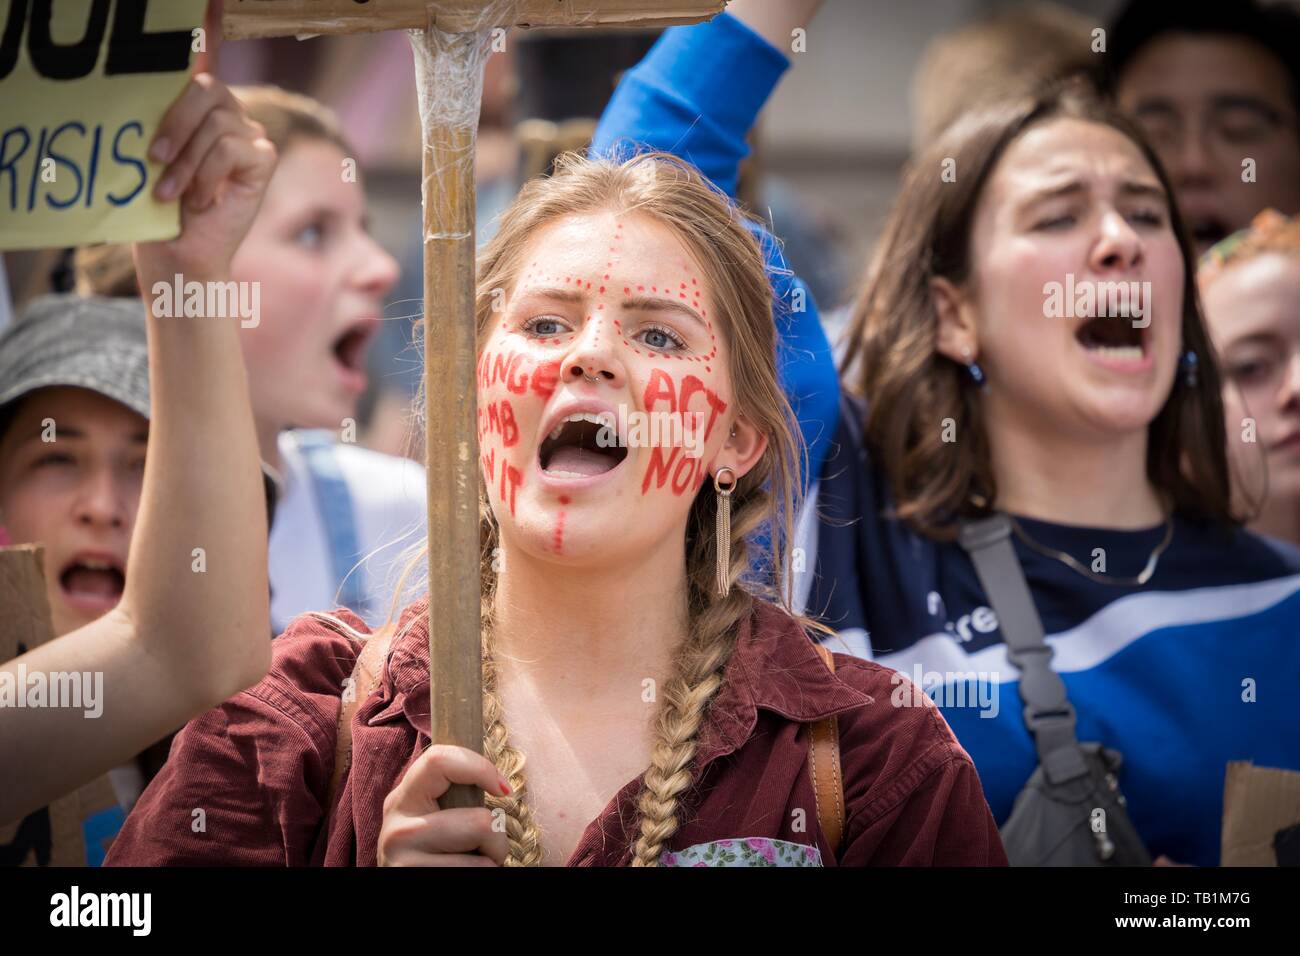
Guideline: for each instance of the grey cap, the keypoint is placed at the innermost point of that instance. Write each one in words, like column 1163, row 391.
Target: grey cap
column 93, row 343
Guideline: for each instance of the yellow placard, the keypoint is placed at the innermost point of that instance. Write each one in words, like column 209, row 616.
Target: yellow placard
column 83, row 86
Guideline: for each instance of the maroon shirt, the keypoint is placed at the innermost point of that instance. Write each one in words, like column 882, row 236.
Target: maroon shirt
column 259, row 765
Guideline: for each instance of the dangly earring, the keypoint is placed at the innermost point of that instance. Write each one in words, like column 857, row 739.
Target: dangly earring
column 723, row 528
column 1189, row 368
column 973, row 368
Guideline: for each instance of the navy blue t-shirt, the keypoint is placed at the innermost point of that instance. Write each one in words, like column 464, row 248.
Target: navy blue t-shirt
column 1198, row 667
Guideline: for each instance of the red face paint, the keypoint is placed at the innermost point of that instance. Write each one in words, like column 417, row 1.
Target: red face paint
column 676, row 468
column 511, row 479
column 499, row 418
column 691, row 385
column 557, row 540
column 664, row 466
column 516, row 383
column 659, row 387
column 546, row 377
column 659, row 468
column 526, row 365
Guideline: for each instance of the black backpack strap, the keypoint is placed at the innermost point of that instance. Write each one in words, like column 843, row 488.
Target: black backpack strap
column 1048, row 713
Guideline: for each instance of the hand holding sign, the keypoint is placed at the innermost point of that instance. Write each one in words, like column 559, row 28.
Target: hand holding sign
column 218, row 162
column 82, row 86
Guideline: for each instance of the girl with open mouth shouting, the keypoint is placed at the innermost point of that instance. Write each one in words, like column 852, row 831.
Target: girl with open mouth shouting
column 645, row 703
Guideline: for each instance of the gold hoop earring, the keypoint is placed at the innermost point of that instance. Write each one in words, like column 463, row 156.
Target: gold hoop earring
column 723, row 528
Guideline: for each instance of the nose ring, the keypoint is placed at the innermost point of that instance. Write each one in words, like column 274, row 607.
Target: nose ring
column 593, row 379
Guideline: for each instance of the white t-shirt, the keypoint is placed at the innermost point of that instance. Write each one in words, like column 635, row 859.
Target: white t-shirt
column 387, row 506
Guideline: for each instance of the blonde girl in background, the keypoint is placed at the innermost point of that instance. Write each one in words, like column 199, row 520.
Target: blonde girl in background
column 320, row 279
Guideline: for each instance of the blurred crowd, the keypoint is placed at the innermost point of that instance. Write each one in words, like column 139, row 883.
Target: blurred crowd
column 1161, row 147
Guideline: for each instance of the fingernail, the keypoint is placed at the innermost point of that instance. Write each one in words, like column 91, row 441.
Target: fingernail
column 505, row 787
column 161, row 150
column 166, row 188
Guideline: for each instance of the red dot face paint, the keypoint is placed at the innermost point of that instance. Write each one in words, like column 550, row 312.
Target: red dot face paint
column 557, row 541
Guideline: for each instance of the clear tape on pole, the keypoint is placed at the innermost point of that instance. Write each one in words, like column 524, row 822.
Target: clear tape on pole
column 449, row 84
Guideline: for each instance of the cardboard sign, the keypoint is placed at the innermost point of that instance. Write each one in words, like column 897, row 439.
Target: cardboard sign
column 83, row 85
column 1260, row 806
column 73, row 830
column 250, row 19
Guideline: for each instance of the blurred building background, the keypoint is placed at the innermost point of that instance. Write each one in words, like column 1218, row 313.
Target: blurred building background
column 830, row 145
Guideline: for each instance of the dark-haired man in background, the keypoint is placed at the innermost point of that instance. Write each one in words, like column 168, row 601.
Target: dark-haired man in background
column 1216, row 86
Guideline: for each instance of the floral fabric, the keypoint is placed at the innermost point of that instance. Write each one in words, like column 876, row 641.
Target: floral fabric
column 749, row 851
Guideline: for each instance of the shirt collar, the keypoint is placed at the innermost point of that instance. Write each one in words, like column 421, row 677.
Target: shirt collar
column 774, row 667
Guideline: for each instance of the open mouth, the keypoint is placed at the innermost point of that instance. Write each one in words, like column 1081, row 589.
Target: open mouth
column 92, row 583
column 1207, row 230
column 582, row 445
column 1115, row 337
column 350, row 347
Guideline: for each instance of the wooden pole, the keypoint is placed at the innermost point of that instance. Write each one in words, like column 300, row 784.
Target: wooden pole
column 247, row 19
column 449, row 120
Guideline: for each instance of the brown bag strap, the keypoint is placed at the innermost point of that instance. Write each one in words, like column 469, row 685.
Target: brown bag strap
column 824, row 767
column 366, row 674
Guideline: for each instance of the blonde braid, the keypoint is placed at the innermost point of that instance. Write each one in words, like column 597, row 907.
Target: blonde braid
column 699, row 674
column 522, row 830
